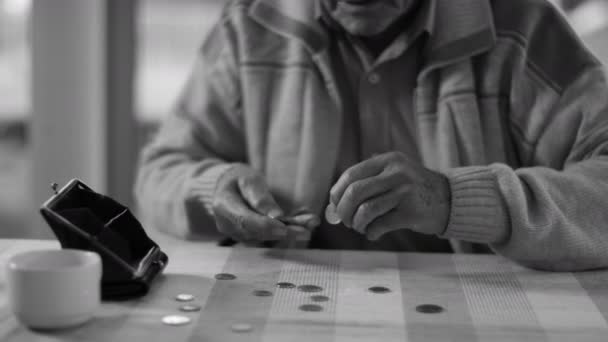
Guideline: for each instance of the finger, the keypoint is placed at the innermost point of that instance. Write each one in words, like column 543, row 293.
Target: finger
column 300, row 210
column 255, row 192
column 263, row 228
column 227, row 210
column 384, row 224
column 365, row 169
column 360, row 191
column 238, row 221
column 296, row 234
column 308, row 220
column 375, row 207
column 298, row 229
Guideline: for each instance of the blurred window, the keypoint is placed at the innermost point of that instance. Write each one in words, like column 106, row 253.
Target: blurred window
column 170, row 33
column 14, row 59
column 14, row 113
column 587, row 16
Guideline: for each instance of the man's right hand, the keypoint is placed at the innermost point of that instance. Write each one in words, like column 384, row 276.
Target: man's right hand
column 244, row 208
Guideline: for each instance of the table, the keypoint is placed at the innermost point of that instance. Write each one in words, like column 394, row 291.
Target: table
column 486, row 298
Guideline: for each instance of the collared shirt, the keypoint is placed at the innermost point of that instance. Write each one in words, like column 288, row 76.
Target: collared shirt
column 377, row 89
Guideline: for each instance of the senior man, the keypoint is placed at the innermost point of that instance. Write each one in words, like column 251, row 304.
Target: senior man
column 426, row 125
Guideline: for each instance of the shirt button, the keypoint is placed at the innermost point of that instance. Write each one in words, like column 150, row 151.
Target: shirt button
column 373, row 78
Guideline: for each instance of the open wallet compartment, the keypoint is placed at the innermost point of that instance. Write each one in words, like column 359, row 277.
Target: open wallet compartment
column 84, row 219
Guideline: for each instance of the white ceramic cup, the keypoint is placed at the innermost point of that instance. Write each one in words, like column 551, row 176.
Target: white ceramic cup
column 53, row 289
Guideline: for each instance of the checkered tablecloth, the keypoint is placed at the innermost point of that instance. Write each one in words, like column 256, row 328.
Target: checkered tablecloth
column 485, row 298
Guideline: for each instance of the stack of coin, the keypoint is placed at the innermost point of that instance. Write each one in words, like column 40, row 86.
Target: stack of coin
column 178, row 320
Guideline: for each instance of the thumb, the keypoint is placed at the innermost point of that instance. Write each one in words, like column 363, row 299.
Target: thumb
column 257, row 195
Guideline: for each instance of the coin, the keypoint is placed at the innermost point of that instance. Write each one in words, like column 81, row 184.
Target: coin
column 190, row 308
column 331, row 214
column 175, row 320
column 184, row 297
column 319, row 298
column 311, row 308
column 225, row 276
column 262, row 293
column 241, row 327
column 379, row 289
column 285, row 285
column 429, row 308
column 310, row 288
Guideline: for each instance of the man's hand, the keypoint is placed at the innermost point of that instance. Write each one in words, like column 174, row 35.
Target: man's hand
column 245, row 210
column 390, row 192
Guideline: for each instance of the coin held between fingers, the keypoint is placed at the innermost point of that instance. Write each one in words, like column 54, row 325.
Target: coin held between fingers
column 331, row 214
column 287, row 229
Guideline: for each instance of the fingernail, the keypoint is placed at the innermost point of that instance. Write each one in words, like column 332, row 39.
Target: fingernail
column 331, row 194
column 331, row 214
column 275, row 214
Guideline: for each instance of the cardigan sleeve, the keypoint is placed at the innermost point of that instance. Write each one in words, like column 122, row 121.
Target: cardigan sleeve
column 550, row 214
column 195, row 145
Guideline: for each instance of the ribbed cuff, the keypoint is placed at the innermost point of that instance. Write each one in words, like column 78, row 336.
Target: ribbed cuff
column 478, row 213
column 204, row 185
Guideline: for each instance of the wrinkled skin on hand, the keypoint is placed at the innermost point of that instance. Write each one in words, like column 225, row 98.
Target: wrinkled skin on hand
column 245, row 209
column 390, row 192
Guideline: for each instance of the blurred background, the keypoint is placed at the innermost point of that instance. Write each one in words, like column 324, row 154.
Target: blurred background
column 84, row 83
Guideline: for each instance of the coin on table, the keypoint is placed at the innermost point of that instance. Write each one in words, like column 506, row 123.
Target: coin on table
column 241, row 327
column 429, row 309
column 311, row 308
column 176, row 320
column 184, row 297
column 310, row 288
column 379, row 289
column 262, row 293
column 331, row 214
column 190, row 308
column 225, row 276
column 319, row 298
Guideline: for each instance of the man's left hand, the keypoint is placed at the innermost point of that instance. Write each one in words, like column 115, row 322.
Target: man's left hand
column 389, row 192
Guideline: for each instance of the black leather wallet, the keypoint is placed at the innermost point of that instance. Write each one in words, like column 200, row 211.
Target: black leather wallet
column 84, row 219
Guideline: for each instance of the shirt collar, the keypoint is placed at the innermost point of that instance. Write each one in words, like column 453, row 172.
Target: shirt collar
column 460, row 29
